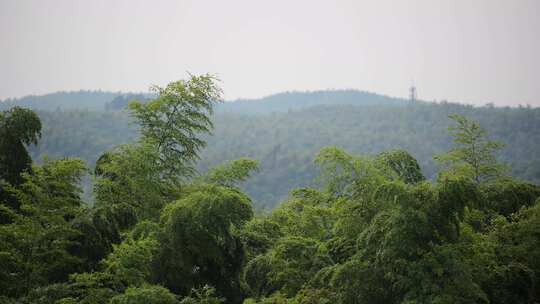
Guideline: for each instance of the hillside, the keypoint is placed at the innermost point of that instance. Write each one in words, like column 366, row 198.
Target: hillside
column 286, row 143
column 80, row 100
column 285, row 140
column 283, row 102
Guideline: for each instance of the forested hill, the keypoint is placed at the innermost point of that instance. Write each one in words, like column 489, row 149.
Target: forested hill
column 286, row 140
column 287, row 101
column 282, row 102
column 286, row 143
column 81, row 100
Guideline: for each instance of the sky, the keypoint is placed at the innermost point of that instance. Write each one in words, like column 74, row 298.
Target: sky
column 471, row 51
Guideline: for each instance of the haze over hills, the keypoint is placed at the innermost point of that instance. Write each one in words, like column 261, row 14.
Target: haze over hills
column 285, row 131
column 239, row 164
column 286, row 101
column 101, row 100
column 89, row 100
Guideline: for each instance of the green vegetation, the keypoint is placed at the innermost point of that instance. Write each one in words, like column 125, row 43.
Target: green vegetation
column 375, row 230
column 286, row 141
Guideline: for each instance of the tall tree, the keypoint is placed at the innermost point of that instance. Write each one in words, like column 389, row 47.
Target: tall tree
column 473, row 155
column 174, row 121
column 144, row 175
column 18, row 127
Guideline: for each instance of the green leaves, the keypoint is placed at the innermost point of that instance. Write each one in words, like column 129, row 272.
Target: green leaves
column 473, row 155
column 200, row 243
column 131, row 261
column 403, row 164
column 146, row 294
column 34, row 247
column 347, row 175
column 233, row 172
column 375, row 232
column 18, row 127
column 132, row 175
column 147, row 175
column 508, row 196
column 20, row 124
column 174, row 121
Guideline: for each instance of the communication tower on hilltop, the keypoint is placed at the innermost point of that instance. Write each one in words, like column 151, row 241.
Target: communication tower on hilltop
column 412, row 94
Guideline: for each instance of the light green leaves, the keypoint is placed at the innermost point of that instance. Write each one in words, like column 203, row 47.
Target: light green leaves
column 233, row 172
column 146, row 294
column 132, row 175
column 174, row 121
column 473, row 155
column 403, row 164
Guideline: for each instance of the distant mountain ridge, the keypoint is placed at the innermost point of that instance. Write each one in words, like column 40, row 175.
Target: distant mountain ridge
column 286, row 101
column 280, row 102
column 74, row 100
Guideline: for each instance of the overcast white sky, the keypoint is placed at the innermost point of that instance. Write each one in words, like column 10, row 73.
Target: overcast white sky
column 474, row 51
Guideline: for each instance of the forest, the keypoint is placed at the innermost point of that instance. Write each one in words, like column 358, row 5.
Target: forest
column 284, row 132
column 171, row 223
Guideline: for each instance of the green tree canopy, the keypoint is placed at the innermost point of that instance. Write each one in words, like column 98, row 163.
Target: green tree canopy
column 18, row 127
column 473, row 155
column 200, row 243
column 174, row 121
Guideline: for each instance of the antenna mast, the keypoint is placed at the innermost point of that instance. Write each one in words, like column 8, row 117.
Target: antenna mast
column 412, row 94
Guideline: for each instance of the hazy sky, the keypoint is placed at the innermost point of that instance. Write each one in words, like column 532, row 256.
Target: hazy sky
column 473, row 51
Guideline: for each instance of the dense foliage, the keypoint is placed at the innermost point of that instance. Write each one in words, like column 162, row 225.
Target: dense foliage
column 285, row 143
column 374, row 231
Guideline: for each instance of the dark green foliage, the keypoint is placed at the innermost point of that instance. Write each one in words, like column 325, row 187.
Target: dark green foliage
column 285, row 143
column 507, row 196
column 98, row 230
column 199, row 241
column 374, row 231
column 34, row 247
column 259, row 235
column 403, row 164
column 18, row 127
column 257, row 277
column 377, row 239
